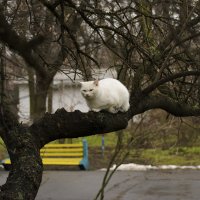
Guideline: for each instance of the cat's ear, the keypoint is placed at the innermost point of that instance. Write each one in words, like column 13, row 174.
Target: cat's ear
column 80, row 84
column 96, row 82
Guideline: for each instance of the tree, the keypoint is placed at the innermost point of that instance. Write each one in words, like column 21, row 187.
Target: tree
column 157, row 43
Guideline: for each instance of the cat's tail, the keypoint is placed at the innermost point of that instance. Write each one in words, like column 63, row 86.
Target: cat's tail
column 125, row 107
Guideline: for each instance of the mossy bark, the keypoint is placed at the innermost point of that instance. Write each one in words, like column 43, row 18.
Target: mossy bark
column 26, row 170
column 23, row 144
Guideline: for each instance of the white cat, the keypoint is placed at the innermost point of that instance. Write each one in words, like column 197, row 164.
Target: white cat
column 107, row 94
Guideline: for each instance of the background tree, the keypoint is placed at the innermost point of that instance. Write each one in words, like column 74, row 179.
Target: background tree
column 153, row 43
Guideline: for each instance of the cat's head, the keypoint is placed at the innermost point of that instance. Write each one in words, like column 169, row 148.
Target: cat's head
column 89, row 89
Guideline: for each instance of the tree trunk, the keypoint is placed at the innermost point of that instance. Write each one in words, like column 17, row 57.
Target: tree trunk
column 23, row 144
column 42, row 87
column 26, row 170
column 50, row 99
column 31, row 86
column 2, row 78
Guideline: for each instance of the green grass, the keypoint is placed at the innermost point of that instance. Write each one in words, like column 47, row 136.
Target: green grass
column 173, row 156
column 96, row 140
column 2, row 149
column 2, row 145
column 109, row 140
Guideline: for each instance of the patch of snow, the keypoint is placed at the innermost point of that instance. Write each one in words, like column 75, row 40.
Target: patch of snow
column 137, row 167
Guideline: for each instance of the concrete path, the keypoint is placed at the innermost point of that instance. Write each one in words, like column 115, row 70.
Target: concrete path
column 125, row 185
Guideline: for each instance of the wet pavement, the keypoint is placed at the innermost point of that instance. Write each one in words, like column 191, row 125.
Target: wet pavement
column 124, row 185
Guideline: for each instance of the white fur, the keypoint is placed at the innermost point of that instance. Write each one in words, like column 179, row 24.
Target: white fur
column 107, row 94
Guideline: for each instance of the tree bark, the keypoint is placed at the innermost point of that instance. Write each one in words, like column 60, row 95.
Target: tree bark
column 41, row 92
column 24, row 143
column 26, row 169
column 75, row 124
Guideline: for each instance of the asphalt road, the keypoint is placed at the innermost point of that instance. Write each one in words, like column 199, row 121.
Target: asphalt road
column 125, row 185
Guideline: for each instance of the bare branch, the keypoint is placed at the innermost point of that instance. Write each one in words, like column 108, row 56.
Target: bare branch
column 20, row 45
column 155, row 85
column 173, row 107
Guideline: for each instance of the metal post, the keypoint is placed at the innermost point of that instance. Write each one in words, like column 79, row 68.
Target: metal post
column 102, row 145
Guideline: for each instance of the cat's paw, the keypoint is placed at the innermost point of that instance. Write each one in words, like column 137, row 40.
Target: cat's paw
column 125, row 107
column 95, row 109
column 113, row 110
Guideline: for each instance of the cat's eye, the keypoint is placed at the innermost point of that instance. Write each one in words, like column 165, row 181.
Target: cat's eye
column 84, row 90
column 91, row 90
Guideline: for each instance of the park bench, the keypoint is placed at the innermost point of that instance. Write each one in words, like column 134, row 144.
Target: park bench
column 62, row 155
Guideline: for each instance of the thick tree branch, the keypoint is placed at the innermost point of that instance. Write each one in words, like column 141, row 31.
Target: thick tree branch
column 178, row 109
column 65, row 124
column 24, row 143
column 18, row 44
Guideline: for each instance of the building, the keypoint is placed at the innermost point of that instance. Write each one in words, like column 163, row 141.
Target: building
column 66, row 92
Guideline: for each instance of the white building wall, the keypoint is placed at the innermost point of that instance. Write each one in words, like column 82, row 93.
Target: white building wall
column 66, row 93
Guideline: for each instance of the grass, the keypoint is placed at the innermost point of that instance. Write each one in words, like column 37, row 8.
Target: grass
column 172, row 156
column 96, row 140
column 2, row 149
column 2, row 145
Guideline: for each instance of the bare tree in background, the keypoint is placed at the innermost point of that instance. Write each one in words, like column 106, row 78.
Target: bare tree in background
column 153, row 45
